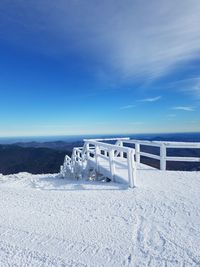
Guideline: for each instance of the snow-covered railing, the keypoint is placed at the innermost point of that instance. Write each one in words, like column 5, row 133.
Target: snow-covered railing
column 70, row 164
column 163, row 146
column 66, row 166
column 117, row 161
column 115, row 155
column 107, row 160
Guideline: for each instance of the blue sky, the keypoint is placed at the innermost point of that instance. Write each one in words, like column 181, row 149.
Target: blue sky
column 99, row 67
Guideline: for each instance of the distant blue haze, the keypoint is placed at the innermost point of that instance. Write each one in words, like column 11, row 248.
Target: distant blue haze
column 184, row 137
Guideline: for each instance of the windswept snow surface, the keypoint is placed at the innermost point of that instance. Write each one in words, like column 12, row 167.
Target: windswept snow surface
column 48, row 221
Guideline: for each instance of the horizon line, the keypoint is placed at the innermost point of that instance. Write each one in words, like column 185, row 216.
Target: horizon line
column 107, row 134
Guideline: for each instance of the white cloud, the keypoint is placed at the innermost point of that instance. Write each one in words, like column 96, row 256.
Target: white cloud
column 189, row 85
column 192, row 86
column 184, row 108
column 127, row 107
column 132, row 38
column 171, row 115
column 152, row 99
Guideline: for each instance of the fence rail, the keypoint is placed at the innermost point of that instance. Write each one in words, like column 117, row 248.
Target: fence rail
column 163, row 146
column 113, row 160
column 114, row 155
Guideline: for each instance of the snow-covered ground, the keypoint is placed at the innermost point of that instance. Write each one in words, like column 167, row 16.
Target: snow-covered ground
column 47, row 221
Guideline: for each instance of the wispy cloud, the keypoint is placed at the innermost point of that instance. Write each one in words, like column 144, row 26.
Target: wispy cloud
column 127, row 107
column 171, row 115
column 141, row 40
column 152, row 99
column 184, row 108
column 190, row 85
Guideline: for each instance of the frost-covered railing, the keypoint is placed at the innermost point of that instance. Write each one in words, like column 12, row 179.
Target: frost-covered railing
column 163, row 147
column 117, row 161
column 72, row 164
column 116, row 156
column 107, row 160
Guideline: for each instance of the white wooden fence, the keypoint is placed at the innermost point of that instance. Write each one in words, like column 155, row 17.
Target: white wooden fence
column 115, row 162
column 163, row 146
column 119, row 161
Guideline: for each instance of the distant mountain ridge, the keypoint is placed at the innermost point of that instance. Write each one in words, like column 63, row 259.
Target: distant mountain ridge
column 14, row 159
column 57, row 145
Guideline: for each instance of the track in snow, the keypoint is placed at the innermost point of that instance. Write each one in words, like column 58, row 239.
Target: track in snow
column 47, row 221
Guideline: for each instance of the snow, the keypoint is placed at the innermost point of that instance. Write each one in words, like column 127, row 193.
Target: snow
column 48, row 221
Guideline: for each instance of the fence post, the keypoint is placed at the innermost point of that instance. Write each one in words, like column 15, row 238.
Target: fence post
column 163, row 157
column 82, row 159
column 87, row 151
column 97, row 152
column 78, row 155
column 112, row 165
column 74, row 162
column 73, row 155
column 131, row 168
column 121, row 152
column 119, row 143
column 137, row 152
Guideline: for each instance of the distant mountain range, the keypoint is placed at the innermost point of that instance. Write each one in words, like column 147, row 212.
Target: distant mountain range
column 34, row 158
column 56, row 145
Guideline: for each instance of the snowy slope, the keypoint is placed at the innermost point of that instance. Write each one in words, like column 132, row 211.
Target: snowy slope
column 47, row 221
